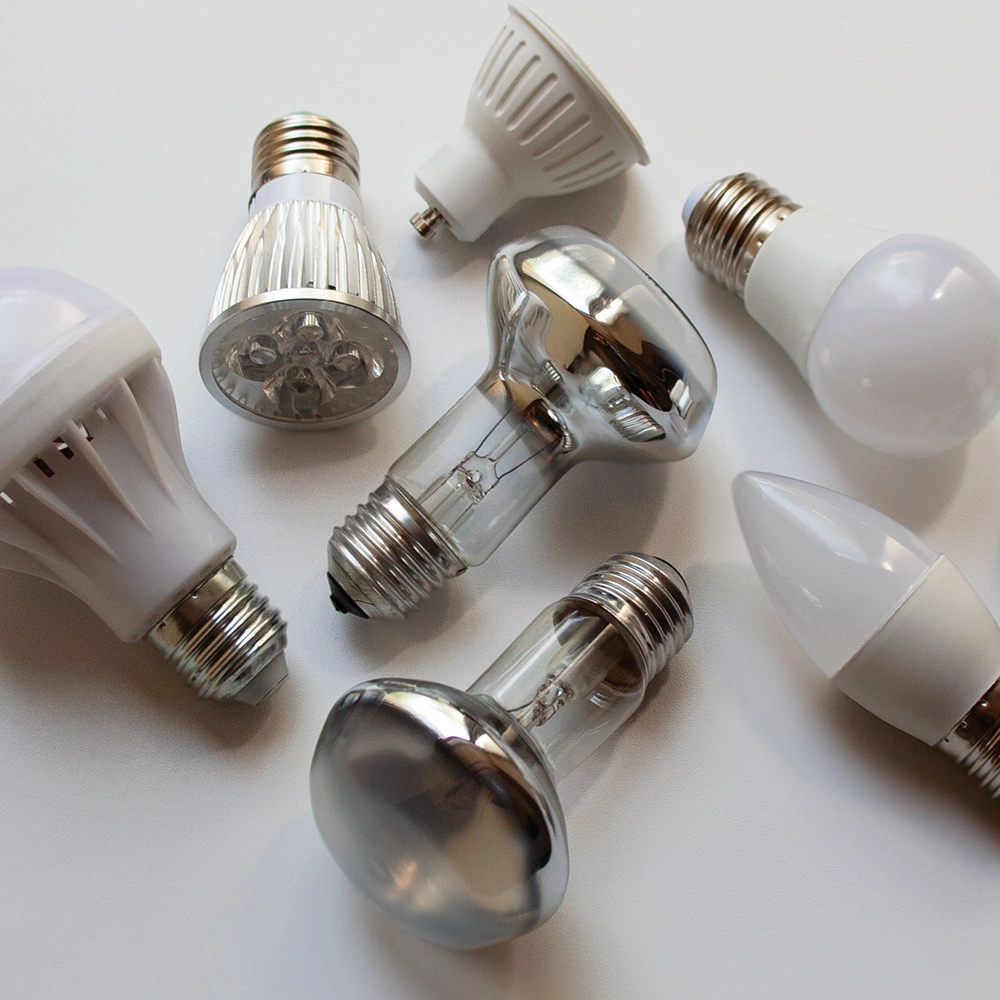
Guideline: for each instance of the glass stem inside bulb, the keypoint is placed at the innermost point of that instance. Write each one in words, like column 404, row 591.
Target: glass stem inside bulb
column 485, row 464
column 570, row 680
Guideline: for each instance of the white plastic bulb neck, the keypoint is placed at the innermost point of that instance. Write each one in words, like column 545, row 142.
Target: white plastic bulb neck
column 930, row 661
column 796, row 272
column 306, row 186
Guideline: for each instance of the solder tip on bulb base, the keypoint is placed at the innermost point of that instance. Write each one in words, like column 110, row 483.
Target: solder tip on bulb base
column 898, row 336
column 538, row 123
column 894, row 625
column 305, row 332
column 440, row 805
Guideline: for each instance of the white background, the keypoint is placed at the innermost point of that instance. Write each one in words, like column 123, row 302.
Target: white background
column 751, row 833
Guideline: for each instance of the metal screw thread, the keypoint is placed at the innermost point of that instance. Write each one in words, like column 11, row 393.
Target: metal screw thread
column 389, row 556
column 222, row 636
column 974, row 744
column 649, row 599
column 304, row 143
column 729, row 225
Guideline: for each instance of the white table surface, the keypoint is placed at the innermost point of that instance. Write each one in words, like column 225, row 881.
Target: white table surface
column 751, row 833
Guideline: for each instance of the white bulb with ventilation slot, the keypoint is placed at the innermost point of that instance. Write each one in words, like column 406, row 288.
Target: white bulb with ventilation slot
column 538, row 123
column 95, row 494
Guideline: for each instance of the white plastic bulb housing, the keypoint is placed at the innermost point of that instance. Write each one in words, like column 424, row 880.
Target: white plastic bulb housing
column 96, row 497
column 538, row 123
column 897, row 336
column 304, row 332
column 893, row 624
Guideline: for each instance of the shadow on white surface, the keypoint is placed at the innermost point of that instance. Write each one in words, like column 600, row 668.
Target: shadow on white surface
column 54, row 649
column 815, row 729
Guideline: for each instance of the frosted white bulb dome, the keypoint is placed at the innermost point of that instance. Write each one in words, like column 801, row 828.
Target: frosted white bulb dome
column 835, row 569
column 893, row 624
column 897, row 336
column 96, row 497
column 537, row 123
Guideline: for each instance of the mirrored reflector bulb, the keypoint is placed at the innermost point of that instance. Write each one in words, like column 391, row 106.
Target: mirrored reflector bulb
column 440, row 805
column 95, row 494
column 591, row 359
column 537, row 123
column 893, row 624
column 304, row 331
column 897, row 336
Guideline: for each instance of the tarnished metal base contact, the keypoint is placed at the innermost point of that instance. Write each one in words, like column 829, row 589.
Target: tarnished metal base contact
column 729, row 225
column 224, row 638
column 388, row 557
column 974, row 744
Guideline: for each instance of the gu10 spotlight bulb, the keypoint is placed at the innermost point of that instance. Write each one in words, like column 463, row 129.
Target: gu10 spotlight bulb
column 440, row 805
column 897, row 336
column 591, row 359
column 538, row 123
column 304, row 331
column 893, row 624
column 96, row 497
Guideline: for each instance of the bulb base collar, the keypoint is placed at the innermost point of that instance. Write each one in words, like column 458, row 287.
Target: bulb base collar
column 305, row 143
column 974, row 744
column 648, row 599
column 729, row 224
column 224, row 638
column 388, row 557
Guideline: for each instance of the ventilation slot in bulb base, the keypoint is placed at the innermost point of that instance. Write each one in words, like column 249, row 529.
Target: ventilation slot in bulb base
column 224, row 638
column 388, row 557
column 305, row 143
column 729, row 224
column 649, row 600
column 974, row 744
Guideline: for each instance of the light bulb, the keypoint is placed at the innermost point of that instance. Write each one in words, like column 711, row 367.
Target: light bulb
column 440, row 805
column 897, row 336
column 591, row 359
column 96, row 497
column 893, row 624
column 304, row 331
column 538, row 123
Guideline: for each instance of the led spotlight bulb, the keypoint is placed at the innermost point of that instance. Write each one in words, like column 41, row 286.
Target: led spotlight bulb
column 440, row 805
column 591, row 359
column 304, row 331
column 893, row 624
column 538, row 123
column 96, row 497
column 897, row 336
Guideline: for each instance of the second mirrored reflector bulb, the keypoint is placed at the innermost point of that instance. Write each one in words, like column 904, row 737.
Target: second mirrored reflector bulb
column 304, row 331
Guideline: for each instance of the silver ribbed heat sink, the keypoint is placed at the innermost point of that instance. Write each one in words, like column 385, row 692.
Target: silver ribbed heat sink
column 304, row 331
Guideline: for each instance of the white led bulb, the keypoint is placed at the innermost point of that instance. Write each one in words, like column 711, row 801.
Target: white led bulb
column 892, row 623
column 96, row 497
column 897, row 336
column 538, row 123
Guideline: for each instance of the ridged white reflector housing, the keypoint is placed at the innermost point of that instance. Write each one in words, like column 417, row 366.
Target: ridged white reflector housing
column 95, row 494
column 893, row 624
column 538, row 123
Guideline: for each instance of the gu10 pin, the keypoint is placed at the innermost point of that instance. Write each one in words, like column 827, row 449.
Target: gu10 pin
column 537, row 123
column 591, row 359
column 440, row 805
